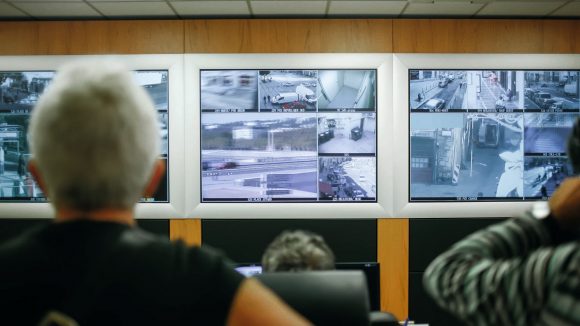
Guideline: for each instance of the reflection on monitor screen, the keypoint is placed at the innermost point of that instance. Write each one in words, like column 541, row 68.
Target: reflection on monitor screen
column 19, row 92
column 492, row 135
column 249, row 270
column 271, row 142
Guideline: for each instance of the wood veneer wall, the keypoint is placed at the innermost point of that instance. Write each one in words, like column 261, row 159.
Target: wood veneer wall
column 299, row 36
column 485, row 36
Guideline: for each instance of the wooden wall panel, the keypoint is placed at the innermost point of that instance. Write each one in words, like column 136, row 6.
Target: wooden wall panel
column 561, row 36
column 18, row 38
column 288, row 36
column 485, row 36
column 187, row 230
column 576, row 40
column 393, row 255
column 91, row 37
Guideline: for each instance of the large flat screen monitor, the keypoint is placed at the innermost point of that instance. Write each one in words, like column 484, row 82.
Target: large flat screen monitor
column 288, row 135
column 19, row 92
column 489, row 134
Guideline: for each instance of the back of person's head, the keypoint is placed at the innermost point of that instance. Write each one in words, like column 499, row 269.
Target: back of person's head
column 297, row 251
column 574, row 147
column 94, row 137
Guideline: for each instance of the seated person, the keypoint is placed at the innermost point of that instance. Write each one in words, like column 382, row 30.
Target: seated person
column 94, row 139
column 297, row 251
column 524, row 271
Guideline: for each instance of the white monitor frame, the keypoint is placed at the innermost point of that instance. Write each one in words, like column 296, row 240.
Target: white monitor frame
column 195, row 62
column 401, row 64
column 173, row 63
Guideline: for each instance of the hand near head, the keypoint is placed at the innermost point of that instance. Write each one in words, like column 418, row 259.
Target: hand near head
column 565, row 204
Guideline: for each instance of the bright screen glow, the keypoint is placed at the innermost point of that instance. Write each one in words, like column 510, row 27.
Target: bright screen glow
column 19, row 92
column 288, row 135
column 490, row 135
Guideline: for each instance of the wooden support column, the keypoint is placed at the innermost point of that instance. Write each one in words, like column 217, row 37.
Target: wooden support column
column 393, row 255
column 187, row 230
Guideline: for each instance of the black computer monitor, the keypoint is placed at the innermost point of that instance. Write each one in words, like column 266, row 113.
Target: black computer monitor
column 371, row 270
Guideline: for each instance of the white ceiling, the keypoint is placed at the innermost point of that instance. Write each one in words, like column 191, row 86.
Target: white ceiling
column 176, row 9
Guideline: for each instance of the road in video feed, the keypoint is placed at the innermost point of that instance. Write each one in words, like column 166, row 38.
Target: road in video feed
column 259, row 155
column 551, row 91
column 288, row 90
column 461, row 90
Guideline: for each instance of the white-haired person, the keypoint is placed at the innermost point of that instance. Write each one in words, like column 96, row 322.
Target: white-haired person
column 94, row 141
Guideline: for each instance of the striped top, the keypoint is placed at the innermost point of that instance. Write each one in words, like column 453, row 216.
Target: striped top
column 513, row 273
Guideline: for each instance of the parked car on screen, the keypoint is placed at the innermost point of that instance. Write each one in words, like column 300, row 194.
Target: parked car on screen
column 529, row 92
column 434, row 104
column 559, row 105
column 548, row 103
column 357, row 193
column 541, row 97
column 443, row 83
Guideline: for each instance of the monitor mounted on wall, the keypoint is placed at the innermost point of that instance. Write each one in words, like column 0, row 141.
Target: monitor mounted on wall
column 19, row 92
column 288, row 135
column 25, row 78
column 489, row 135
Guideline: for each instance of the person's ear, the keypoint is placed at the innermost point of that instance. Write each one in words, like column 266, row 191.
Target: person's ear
column 155, row 179
column 33, row 168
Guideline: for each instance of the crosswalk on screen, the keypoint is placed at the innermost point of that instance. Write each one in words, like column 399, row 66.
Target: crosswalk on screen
column 490, row 135
column 19, row 92
column 288, row 135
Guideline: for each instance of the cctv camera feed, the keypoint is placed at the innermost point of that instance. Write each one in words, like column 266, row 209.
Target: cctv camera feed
column 155, row 83
column 19, row 92
column 512, row 150
column 347, row 90
column 465, row 91
column 283, row 149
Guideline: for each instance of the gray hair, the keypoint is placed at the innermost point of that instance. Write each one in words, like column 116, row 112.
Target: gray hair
column 297, row 251
column 94, row 136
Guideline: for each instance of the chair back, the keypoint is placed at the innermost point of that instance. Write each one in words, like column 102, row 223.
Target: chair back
column 323, row 297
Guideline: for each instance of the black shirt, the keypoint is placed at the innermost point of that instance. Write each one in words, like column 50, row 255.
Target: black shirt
column 104, row 273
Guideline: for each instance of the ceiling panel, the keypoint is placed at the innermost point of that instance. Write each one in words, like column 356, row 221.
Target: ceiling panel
column 7, row 10
column 124, row 0
column 385, row 8
column 57, row 9
column 518, row 8
column 45, row 1
column 285, row 8
column 134, row 9
column 446, row 8
column 70, row 9
column 210, row 8
column 569, row 10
